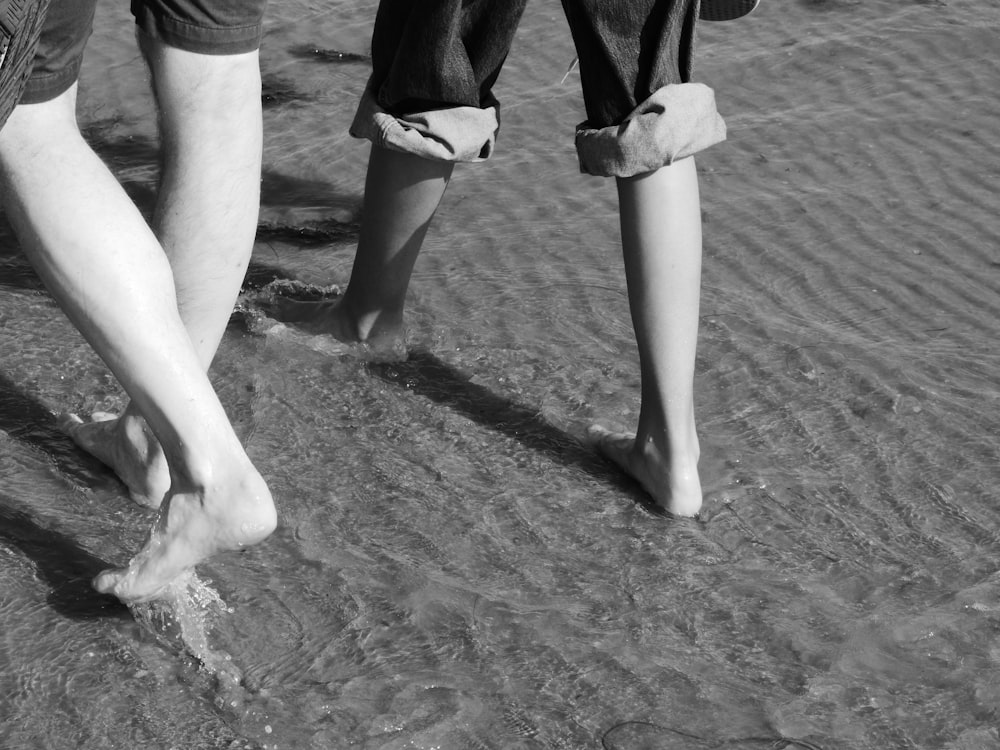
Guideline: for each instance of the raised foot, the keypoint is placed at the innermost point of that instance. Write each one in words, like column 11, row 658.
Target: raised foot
column 674, row 487
column 126, row 446
column 190, row 528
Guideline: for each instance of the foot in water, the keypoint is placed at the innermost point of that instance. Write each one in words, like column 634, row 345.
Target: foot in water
column 333, row 318
column 235, row 511
column 674, row 485
column 126, row 445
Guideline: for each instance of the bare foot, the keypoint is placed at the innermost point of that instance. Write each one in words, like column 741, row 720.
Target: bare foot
column 315, row 316
column 674, row 485
column 127, row 446
column 318, row 342
column 235, row 512
column 382, row 336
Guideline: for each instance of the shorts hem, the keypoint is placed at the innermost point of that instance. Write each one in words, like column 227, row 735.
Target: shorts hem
column 205, row 40
column 677, row 121
column 45, row 88
column 454, row 133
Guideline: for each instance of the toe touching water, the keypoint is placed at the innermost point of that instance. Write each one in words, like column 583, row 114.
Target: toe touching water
column 234, row 512
column 230, row 509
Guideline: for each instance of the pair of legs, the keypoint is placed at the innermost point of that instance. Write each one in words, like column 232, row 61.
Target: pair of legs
column 154, row 302
column 205, row 219
column 661, row 243
column 644, row 122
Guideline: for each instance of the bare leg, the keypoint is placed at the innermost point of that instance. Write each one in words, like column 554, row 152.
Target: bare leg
column 205, row 219
column 661, row 242
column 105, row 267
column 402, row 192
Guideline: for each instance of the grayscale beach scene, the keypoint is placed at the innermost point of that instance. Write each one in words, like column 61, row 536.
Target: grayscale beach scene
column 455, row 567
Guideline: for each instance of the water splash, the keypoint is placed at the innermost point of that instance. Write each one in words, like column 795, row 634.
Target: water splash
column 185, row 614
column 182, row 619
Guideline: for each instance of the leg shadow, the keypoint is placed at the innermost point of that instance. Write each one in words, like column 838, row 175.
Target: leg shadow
column 434, row 379
column 15, row 271
column 65, row 566
column 27, row 421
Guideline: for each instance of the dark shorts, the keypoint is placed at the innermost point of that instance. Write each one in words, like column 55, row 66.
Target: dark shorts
column 20, row 26
column 211, row 27
column 434, row 63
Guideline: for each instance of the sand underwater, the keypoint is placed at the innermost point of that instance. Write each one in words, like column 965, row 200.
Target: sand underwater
column 454, row 568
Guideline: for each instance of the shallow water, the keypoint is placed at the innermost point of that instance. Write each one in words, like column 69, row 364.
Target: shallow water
column 454, row 568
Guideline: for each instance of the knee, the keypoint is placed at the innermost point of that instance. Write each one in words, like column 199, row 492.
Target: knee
column 31, row 127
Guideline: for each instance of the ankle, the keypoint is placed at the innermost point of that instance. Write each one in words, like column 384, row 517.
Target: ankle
column 372, row 325
column 676, row 446
column 133, row 429
column 364, row 316
column 209, row 467
column 229, row 490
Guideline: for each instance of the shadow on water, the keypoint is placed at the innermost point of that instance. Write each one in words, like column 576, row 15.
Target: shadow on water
column 135, row 162
column 26, row 420
column 65, row 566
column 429, row 376
column 312, row 53
column 15, row 271
column 279, row 189
column 312, row 234
column 278, row 92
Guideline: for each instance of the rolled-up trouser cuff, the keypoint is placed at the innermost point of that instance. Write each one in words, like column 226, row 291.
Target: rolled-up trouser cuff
column 458, row 134
column 678, row 120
